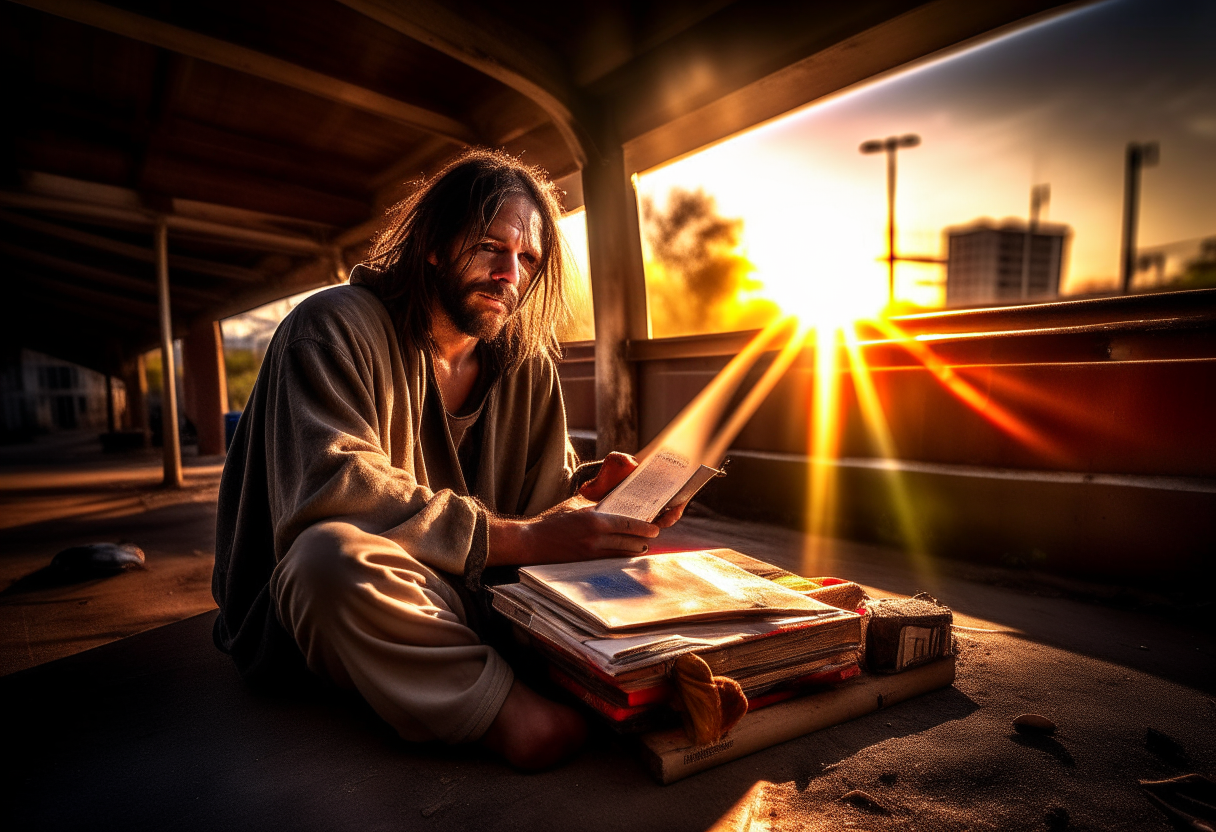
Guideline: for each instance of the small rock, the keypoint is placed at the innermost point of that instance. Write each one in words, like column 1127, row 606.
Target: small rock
column 1033, row 724
column 1143, row 647
column 862, row 800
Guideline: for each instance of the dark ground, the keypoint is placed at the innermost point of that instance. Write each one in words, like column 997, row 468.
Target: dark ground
column 156, row 731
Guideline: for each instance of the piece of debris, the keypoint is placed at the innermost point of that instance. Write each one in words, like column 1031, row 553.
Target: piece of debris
column 96, row 560
column 1165, row 746
column 1033, row 724
column 864, row 801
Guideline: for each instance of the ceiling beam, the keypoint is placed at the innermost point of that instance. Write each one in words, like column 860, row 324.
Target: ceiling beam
column 104, row 276
column 134, row 252
column 68, row 312
column 499, row 50
column 61, row 288
column 658, row 126
column 249, row 237
column 312, row 274
column 252, row 62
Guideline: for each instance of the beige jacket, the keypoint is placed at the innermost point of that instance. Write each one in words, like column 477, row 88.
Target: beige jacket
column 331, row 431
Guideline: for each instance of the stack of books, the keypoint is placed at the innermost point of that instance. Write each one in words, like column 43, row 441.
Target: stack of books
column 611, row 629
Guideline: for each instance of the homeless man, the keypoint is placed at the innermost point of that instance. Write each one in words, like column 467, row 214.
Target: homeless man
column 405, row 433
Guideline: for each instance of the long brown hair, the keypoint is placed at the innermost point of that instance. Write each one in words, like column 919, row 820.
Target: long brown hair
column 456, row 206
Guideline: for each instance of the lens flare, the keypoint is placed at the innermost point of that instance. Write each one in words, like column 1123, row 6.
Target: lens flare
column 699, row 432
column 981, row 401
column 824, row 451
column 879, row 430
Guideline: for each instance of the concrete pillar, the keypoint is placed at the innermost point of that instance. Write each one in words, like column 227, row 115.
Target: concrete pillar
column 111, row 413
column 206, row 385
column 618, row 290
column 172, row 440
column 135, row 380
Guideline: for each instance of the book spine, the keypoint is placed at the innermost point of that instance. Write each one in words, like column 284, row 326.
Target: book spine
column 603, row 706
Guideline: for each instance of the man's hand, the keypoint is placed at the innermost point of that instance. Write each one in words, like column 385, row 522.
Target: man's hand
column 574, row 530
column 569, row 531
column 612, row 473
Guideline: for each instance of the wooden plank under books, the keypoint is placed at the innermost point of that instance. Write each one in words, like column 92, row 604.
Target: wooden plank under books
column 672, row 757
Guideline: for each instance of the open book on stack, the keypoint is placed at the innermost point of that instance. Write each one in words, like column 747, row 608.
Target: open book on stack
column 611, row 629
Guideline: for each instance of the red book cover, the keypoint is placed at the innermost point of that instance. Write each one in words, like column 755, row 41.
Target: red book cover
column 613, row 712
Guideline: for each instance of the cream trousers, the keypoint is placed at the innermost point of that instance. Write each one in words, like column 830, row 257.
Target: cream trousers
column 370, row 617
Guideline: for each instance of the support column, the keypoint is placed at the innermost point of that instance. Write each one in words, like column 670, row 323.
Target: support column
column 206, row 385
column 618, row 289
column 111, row 413
column 135, row 380
column 172, row 440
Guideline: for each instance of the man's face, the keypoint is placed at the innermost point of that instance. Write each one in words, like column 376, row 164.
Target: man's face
column 488, row 278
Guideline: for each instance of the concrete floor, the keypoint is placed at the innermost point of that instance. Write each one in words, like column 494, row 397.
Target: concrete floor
column 169, row 738
column 61, row 492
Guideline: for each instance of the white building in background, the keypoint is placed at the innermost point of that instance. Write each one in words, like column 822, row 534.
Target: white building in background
column 39, row 393
column 986, row 262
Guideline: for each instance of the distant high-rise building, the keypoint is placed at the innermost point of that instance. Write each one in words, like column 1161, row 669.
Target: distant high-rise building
column 985, row 262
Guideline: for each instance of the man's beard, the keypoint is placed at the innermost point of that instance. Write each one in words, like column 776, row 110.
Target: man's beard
column 458, row 303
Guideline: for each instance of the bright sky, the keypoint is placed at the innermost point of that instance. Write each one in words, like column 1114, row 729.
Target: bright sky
column 1056, row 103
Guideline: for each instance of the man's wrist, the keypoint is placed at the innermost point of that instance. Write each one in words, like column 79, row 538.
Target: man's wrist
column 508, row 541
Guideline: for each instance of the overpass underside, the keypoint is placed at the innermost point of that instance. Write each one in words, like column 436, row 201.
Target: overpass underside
column 169, row 166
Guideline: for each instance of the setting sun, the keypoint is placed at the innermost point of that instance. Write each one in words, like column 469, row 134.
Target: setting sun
column 826, row 294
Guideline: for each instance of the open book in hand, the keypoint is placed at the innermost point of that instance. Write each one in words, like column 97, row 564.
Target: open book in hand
column 664, row 480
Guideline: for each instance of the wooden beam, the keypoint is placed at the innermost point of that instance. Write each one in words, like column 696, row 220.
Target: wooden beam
column 498, row 50
column 252, row 62
column 134, row 252
column 618, row 290
column 745, row 89
column 42, row 293
column 213, row 182
column 313, row 274
column 413, row 166
column 41, row 183
column 102, row 276
column 253, row 238
column 139, row 308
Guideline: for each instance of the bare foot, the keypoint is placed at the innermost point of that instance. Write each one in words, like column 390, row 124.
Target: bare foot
column 532, row 733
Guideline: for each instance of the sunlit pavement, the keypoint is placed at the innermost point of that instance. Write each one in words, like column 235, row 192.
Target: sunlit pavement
column 156, row 730
column 66, row 493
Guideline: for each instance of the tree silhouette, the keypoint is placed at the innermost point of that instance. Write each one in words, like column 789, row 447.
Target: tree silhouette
column 695, row 275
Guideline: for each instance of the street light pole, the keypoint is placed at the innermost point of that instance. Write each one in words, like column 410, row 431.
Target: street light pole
column 1039, row 195
column 890, row 145
column 1138, row 156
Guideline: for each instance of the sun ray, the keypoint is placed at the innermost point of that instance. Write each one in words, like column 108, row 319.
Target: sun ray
column 691, row 433
column 877, row 427
column 981, row 401
column 825, row 435
column 756, row 396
